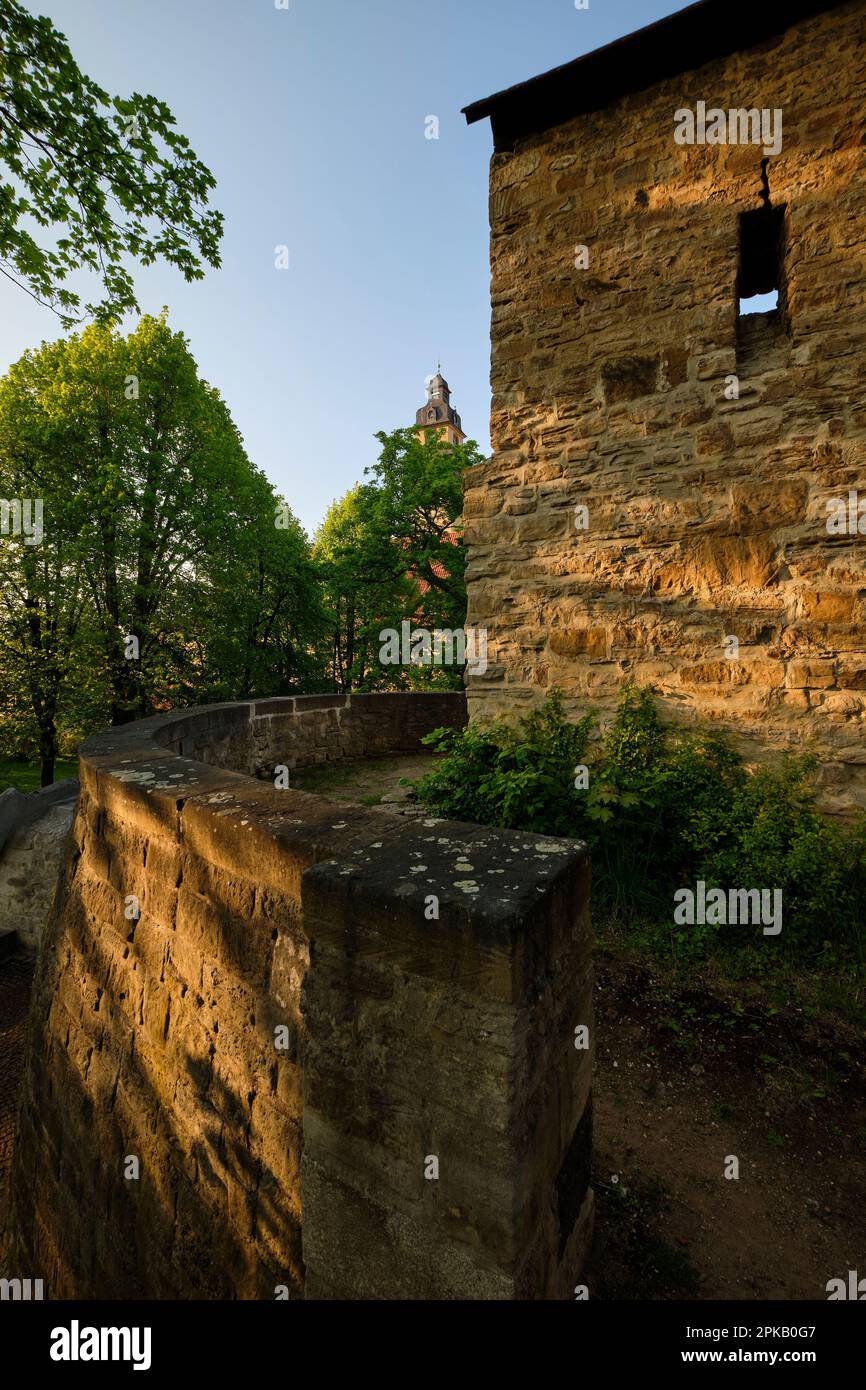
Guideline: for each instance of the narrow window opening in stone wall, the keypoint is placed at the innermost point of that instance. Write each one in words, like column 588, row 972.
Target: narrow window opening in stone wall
column 761, row 299
column 761, row 260
column 759, row 304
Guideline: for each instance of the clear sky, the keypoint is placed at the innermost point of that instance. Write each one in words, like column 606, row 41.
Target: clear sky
column 313, row 120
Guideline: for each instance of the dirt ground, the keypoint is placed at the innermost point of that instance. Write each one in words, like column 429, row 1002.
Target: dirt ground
column 687, row 1079
column 683, row 1083
column 369, row 783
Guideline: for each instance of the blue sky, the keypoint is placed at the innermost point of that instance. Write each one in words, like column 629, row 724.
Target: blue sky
column 313, row 121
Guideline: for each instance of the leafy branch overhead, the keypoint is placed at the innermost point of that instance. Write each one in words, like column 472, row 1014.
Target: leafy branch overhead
column 106, row 177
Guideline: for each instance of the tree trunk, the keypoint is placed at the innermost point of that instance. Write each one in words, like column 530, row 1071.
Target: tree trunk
column 47, row 748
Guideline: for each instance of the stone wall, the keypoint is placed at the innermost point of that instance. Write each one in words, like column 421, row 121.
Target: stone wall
column 33, row 831
column 706, row 515
column 240, row 1091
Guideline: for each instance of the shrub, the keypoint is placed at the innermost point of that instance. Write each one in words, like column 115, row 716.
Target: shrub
column 664, row 807
column 515, row 778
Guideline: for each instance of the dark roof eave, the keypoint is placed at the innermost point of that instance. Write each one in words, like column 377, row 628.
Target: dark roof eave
column 678, row 43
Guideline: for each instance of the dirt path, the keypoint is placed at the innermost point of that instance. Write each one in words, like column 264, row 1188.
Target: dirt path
column 374, row 782
column 682, row 1085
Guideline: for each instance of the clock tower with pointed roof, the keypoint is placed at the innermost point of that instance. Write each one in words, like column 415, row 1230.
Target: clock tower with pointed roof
column 438, row 413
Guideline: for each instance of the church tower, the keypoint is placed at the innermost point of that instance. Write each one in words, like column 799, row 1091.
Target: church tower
column 438, row 413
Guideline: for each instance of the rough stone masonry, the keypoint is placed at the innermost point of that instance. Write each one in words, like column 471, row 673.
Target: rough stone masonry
column 258, row 1067
column 677, row 492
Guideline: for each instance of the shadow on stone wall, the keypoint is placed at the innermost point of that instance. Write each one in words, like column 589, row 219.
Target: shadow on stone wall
column 282, row 1038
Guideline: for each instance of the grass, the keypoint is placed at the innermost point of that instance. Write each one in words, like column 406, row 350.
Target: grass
column 24, row 776
column 831, row 982
column 804, row 1046
column 364, row 782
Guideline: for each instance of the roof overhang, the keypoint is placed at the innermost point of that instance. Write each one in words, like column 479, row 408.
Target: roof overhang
column 679, row 43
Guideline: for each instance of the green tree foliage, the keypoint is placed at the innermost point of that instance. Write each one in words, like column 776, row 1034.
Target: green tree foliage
column 256, row 624
column 417, row 496
column 391, row 551
column 350, row 595
column 106, row 177
column 168, row 570
column 48, row 648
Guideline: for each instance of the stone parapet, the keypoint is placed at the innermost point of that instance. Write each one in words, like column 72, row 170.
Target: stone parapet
column 259, row 1015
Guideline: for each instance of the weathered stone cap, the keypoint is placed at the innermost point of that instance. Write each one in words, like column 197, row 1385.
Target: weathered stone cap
column 504, row 898
column 679, row 43
column 18, row 809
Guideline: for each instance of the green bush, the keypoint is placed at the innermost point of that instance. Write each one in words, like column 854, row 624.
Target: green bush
column 664, row 807
column 514, row 778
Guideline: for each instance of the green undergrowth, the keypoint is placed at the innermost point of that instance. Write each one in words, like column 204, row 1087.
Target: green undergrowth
column 25, row 776
column 663, row 808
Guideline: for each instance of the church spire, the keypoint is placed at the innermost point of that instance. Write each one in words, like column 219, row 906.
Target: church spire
column 438, row 413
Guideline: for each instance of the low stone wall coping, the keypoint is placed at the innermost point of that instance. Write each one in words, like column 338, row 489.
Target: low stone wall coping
column 427, row 977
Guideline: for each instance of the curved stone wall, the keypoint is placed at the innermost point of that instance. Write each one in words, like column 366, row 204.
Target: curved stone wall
column 33, row 831
column 284, row 1047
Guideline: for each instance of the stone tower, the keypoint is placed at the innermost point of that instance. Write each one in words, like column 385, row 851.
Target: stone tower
column 438, row 413
column 677, row 490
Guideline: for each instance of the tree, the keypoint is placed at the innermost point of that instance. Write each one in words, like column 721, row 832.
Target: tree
column 271, row 591
column 42, row 584
column 112, row 176
column 161, row 555
column 153, row 460
column 416, row 517
column 349, row 595
column 391, row 550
